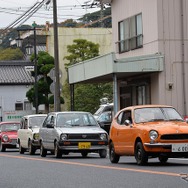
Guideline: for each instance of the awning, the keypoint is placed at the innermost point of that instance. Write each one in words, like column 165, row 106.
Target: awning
column 102, row 68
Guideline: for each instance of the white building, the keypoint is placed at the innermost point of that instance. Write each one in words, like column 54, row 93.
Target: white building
column 15, row 81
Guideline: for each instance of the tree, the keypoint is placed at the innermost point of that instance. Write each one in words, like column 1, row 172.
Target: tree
column 87, row 96
column 11, row 54
column 81, row 50
column 45, row 63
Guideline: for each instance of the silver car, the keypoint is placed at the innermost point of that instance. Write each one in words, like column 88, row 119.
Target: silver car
column 78, row 132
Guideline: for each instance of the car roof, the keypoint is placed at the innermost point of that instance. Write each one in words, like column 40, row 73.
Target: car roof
column 70, row 112
column 147, row 106
column 34, row 115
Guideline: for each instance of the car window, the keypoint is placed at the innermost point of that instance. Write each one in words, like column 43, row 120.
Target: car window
column 36, row 121
column 105, row 117
column 172, row 114
column 75, row 119
column 10, row 127
column 156, row 114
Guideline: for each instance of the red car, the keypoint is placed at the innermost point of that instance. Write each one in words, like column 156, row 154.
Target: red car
column 8, row 135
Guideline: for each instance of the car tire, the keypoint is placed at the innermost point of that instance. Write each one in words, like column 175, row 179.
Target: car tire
column 57, row 151
column 43, row 151
column 2, row 148
column 163, row 159
column 140, row 154
column 21, row 149
column 103, row 153
column 84, row 154
column 31, row 148
column 114, row 158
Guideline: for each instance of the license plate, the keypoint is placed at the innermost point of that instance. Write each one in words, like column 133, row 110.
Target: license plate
column 179, row 147
column 84, row 145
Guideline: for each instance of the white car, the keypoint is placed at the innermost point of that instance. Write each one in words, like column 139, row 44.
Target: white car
column 28, row 134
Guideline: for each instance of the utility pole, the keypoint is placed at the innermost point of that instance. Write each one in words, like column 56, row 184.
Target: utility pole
column 102, row 14
column 57, row 104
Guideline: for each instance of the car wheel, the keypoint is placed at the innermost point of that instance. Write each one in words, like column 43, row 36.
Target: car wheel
column 114, row 158
column 31, row 148
column 84, row 154
column 43, row 151
column 57, row 151
column 140, row 154
column 103, row 153
column 2, row 148
column 163, row 159
column 21, row 149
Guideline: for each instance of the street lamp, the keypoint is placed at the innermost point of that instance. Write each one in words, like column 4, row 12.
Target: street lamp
column 19, row 44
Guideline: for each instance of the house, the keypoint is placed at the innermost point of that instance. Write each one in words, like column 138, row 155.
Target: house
column 148, row 64
column 15, row 81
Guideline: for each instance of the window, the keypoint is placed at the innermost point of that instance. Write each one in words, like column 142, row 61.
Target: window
column 18, row 106
column 27, row 105
column 130, row 34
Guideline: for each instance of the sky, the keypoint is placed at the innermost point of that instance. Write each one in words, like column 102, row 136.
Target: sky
column 10, row 10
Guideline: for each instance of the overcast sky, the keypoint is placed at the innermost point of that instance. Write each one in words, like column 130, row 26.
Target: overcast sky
column 10, row 10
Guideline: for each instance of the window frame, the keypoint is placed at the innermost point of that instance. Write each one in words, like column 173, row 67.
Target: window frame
column 130, row 33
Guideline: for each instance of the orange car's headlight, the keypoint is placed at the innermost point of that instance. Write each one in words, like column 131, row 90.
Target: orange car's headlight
column 153, row 135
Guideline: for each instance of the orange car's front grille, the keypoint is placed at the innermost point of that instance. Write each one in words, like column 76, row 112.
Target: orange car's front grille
column 174, row 137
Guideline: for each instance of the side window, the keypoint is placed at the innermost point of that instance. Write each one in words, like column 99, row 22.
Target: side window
column 21, row 124
column 49, row 120
column 25, row 124
column 119, row 118
column 126, row 115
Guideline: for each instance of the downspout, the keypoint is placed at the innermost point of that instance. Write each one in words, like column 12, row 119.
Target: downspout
column 115, row 93
column 183, row 58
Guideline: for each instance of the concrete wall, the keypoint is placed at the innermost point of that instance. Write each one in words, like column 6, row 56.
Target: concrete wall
column 101, row 36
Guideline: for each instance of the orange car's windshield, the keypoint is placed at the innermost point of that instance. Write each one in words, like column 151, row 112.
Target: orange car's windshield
column 142, row 115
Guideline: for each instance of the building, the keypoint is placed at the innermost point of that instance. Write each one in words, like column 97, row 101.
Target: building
column 15, row 81
column 101, row 36
column 148, row 64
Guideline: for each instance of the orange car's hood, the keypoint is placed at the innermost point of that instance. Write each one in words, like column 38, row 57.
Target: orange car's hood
column 168, row 127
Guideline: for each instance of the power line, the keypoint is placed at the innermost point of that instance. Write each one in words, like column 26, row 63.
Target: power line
column 24, row 17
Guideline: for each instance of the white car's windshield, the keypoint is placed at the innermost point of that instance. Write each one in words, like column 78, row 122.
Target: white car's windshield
column 36, row 121
column 75, row 120
column 156, row 114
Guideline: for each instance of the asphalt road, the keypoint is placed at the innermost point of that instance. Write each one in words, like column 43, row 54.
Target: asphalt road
column 73, row 171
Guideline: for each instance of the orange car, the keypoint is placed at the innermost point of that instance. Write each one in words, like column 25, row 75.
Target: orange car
column 148, row 131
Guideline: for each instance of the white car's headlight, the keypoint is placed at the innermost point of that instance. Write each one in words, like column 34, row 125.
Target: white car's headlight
column 36, row 136
column 153, row 135
column 5, row 138
column 63, row 137
column 103, row 136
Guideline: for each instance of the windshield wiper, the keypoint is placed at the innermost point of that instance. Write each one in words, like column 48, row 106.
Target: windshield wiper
column 175, row 120
column 153, row 120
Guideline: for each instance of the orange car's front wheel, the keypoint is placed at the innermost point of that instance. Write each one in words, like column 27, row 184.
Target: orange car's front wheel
column 140, row 154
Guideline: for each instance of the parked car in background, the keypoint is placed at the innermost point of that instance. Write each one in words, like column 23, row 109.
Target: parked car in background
column 105, row 120
column 28, row 134
column 78, row 132
column 8, row 135
column 148, row 131
column 103, row 108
